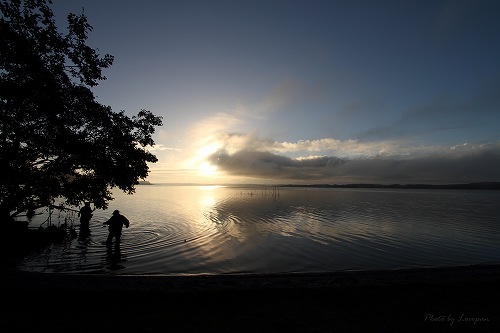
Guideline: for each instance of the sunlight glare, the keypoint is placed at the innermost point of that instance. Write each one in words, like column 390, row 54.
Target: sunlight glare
column 208, row 169
column 205, row 167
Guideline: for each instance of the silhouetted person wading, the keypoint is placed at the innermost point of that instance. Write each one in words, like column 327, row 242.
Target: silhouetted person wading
column 85, row 214
column 116, row 223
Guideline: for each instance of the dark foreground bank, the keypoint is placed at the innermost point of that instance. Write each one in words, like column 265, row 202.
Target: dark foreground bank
column 461, row 299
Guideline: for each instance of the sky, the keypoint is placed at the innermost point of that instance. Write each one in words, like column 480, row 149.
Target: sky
column 306, row 92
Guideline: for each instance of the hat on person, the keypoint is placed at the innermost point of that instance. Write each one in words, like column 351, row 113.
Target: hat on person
column 116, row 212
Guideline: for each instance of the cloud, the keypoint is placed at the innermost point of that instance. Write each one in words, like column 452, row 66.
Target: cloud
column 282, row 96
column 462, row 163
column 213, row 125
column 161, row 147
column 442, row 114
column 284, row 93
column 233, row 142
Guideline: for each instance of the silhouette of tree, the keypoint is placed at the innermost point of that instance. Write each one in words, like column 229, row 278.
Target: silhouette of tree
column 56, row 140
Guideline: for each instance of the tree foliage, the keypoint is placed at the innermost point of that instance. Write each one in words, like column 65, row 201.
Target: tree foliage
column 56, row 140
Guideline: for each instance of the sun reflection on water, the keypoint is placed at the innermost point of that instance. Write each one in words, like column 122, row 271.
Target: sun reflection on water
column 224, row 229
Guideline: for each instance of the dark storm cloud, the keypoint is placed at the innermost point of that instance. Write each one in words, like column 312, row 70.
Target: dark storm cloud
column 456, row 166
column 268, row 165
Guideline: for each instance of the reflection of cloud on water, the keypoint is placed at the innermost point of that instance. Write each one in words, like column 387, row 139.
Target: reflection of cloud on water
column 246, row 215
column 190, row 230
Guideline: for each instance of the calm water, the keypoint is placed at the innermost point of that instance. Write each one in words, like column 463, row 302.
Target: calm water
column 192, row 230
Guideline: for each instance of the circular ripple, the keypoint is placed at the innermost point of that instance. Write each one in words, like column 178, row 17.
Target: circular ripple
column 197, row 231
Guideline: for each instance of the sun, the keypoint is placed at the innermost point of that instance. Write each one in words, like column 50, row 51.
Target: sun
column 204, row 167
column 208, row 169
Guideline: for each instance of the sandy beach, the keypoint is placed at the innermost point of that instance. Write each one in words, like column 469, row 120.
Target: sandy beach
column 454, row 299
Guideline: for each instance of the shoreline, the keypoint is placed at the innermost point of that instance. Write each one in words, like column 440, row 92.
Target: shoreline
column 454, row 299
column 491, row 185
column 24, row 280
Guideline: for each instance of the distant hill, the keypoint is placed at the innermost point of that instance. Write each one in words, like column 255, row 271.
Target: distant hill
column 468, row 186
column 144, row 182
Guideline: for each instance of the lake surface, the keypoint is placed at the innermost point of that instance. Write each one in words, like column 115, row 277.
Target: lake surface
column 216, row 230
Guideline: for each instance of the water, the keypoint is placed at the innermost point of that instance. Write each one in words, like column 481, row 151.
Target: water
column 216, row 230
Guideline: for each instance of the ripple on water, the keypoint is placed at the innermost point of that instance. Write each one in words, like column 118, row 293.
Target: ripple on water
column 222, row 230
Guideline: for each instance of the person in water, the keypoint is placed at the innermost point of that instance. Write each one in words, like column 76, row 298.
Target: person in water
column 85, row 214
column 115, row 225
